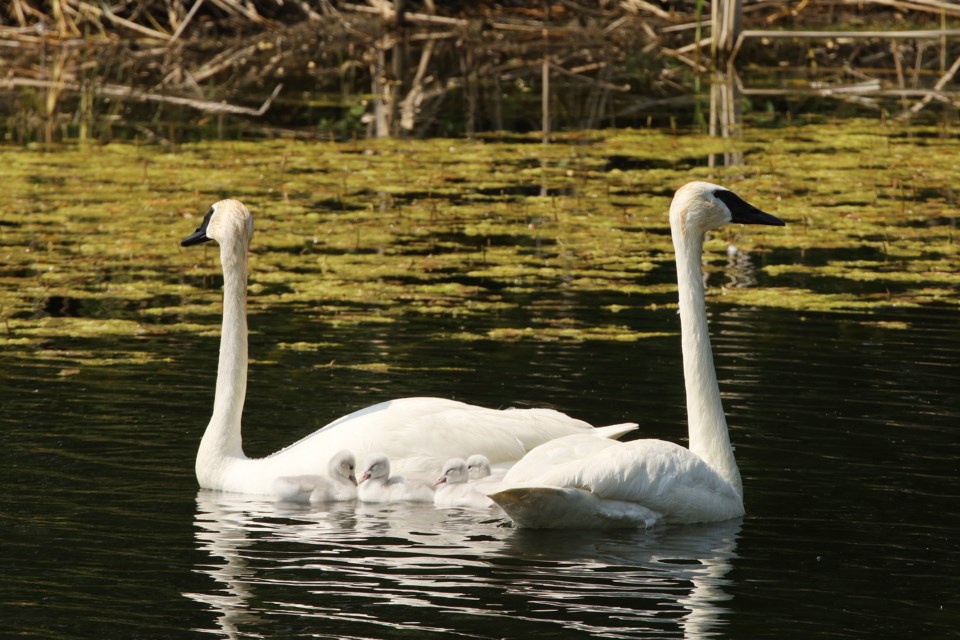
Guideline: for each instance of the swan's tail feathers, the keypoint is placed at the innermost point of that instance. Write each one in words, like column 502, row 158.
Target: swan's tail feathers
column 614, row 431
column 568, row 508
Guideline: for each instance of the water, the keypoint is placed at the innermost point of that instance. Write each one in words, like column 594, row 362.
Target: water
column 845, row 433
column 845, row 421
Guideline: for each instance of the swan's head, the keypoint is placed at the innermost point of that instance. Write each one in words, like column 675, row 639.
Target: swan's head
column 454, row 472
column 699, row 207
column 375, row 467
column 227, row 222
column 343, row 466
column 478, row 466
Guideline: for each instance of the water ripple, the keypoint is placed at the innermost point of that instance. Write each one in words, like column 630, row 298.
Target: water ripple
column 430, row 572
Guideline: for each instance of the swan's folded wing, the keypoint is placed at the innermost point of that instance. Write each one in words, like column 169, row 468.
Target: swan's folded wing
column 560, row 458
column 541, row 507
column 660, row 476
column 664, row 477
column 442, row 429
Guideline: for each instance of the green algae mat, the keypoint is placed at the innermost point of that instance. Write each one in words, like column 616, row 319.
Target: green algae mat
column 370, row 232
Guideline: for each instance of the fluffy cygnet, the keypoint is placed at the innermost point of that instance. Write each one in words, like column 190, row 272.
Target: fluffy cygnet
column 453, row 489
column 340, row 484
column 478, row 467
column 376, row 484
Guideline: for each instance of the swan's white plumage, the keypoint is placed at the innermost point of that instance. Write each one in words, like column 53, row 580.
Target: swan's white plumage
column 667, row 480
column 453, row 490
column 418, row 434
column 552, row 507
column 583, row 482
column 378, row 485
column 339, row 485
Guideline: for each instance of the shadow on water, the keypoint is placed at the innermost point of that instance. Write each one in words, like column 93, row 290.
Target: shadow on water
column 357, row 569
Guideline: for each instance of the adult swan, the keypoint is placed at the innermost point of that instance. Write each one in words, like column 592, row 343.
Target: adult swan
column 418, row 434
column 577, row 482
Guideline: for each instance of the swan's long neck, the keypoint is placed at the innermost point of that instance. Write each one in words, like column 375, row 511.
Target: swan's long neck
column 709, row 437
column 222, row 439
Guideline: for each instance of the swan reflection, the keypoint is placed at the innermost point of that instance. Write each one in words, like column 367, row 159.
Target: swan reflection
column 358, row 569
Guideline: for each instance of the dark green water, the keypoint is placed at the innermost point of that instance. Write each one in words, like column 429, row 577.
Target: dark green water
column 845, row 435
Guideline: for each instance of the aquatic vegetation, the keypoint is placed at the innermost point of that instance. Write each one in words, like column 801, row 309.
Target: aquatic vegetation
column 503, row 240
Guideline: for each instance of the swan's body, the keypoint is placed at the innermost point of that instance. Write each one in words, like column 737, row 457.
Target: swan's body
column 453, row 490
column 339, row 485
column 418, row 434
column 377, row 485
column 587, row 482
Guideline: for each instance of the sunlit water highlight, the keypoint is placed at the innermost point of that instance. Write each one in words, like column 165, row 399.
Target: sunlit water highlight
column 349, row 572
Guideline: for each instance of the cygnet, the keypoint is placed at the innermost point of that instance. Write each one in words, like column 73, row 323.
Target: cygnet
column 478, row 467
column 454, row 491
column 338, row 486
column 376, row 484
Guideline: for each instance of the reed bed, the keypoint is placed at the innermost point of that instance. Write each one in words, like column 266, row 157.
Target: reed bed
column 164, row 69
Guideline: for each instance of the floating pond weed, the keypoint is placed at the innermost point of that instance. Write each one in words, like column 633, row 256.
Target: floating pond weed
column 366, row 232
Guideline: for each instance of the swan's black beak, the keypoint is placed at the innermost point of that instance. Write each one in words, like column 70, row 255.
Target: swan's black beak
column 200, row 235
column 744, row 212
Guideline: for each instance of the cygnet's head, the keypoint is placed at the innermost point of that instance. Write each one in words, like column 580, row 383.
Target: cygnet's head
column 478, row 466
column 343, row 466
column 454, row 472
column 699, row 207
column 376, row 466
column 227, row 221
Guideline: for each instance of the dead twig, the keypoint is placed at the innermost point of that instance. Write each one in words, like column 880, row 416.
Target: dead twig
column 118, row 91
column 186, row 21
column 934, row 94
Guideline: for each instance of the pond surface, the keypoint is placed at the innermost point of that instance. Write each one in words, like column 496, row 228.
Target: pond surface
column 385, row 271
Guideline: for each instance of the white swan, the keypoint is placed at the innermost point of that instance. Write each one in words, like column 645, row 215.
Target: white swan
column 338, row 486
column 581, row 482
column 453, row 490
column 419, row 434
column 377, row 485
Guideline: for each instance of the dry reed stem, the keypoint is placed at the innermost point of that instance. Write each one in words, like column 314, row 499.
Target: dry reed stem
column 197, row 54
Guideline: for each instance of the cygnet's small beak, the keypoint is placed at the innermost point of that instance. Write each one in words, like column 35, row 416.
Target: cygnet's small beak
column 440, row 480
column 352, row 478
column 364, row 477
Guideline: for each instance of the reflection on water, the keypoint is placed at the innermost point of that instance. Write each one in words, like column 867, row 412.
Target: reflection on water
column 358, row 569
